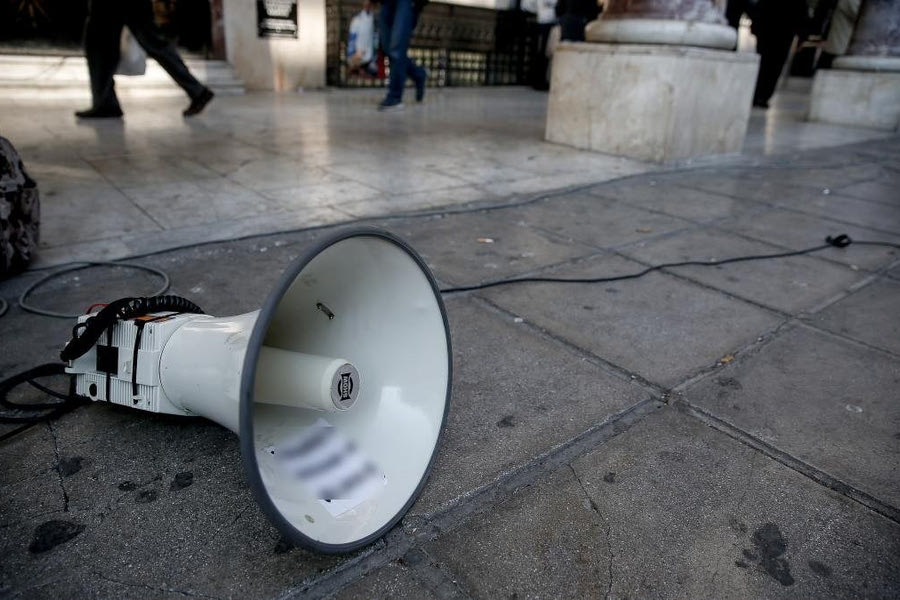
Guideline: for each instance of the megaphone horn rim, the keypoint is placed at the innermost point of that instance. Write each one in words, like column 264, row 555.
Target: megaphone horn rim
column 248, row 382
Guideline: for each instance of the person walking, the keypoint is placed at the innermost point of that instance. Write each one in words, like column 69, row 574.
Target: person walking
column 398, row 20
column 102, row 37
column 775, row 24
column 546, row 19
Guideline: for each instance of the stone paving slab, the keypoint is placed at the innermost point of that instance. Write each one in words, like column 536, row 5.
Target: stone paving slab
column 662, row 195
column 874, row 191
column 156, row 502
column 789, row 285
column 794, row 230
column 475, row 247
column 734, row 185
column 894, row 272
column 674, row 509
column 130, row 171
column 29, row 482
column 392, row 203
column 394, row 581
column 109, row 213
column 871, row 315
column 816, row 396
column 516, row 395
column 192, row 203
column 659, row 327
column 845, row 209
column 829, row 170
column 593, row 220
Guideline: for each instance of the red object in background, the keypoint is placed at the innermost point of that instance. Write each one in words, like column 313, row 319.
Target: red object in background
column 382, row 65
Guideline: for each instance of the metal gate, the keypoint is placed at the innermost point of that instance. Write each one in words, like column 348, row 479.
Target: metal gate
column 459, row 45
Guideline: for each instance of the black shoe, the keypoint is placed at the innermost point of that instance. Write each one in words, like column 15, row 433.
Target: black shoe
column 199, row 103
column 389, row 105
column 99, row 113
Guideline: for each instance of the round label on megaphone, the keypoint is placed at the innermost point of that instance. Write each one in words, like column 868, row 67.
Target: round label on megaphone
column 345, row 387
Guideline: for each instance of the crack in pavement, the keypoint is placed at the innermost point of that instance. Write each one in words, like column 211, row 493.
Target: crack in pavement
column 596, row 509
column 214, row 535
column 155, row 589
column 434, row 575
column 59, row 476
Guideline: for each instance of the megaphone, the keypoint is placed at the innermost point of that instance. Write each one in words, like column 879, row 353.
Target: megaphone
column 338, row 386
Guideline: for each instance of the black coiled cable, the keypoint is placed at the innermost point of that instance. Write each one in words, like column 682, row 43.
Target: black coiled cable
column 86, row 334
column 25, row 413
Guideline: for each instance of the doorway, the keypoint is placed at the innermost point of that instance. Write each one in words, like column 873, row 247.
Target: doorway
column 56, row 27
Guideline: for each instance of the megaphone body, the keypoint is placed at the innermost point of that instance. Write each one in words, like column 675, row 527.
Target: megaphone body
column 338, row 386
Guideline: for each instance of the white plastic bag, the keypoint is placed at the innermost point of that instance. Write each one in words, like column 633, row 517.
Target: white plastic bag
column 132, row 58
column 361, row 42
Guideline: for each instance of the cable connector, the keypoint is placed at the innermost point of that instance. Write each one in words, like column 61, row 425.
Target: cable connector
column 839, row 241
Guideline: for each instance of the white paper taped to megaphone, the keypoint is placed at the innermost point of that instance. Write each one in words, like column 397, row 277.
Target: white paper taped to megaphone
column 338, row 386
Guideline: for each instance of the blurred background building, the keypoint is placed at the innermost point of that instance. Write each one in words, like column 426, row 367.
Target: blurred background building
column 467, row 43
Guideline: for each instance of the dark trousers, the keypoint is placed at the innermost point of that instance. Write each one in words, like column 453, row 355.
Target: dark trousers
column 572, row 27
column 773, row 48
column 398, row 19
column 539, row 62
column 101, row 45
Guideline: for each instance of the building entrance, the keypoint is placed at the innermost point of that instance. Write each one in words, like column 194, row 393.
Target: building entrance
column 56, row 27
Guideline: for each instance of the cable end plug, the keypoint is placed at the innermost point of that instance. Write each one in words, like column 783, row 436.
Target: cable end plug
column 839, row 241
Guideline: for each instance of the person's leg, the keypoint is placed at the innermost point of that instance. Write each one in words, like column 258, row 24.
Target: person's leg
column 386, row 32
column 102, row 36
column 397, row 47
column 416, row 72
column 419, row 75
column 773, row 49
column 140, row 21
column 539, row 61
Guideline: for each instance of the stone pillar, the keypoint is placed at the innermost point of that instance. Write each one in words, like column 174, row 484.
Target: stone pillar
column 276, row 64
column 863, row 87
column 656, row 79
column 679, row 22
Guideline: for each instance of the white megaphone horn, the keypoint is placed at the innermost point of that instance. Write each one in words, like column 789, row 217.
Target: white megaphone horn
column 338, row 386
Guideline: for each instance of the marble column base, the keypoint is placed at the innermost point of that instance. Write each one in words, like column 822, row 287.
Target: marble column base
column 658, row 103
column 868, row 63
column 857, row 98
column 661, row 31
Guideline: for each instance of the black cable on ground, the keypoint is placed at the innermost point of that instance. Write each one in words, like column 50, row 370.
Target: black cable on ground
column 77, row 267
column 4, row 306
column 27, row 413
column 84, row 336
column 839, row 241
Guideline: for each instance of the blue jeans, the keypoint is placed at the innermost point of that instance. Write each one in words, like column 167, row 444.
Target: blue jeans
column 398, row 19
